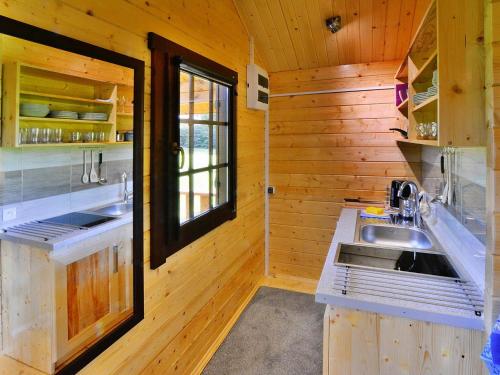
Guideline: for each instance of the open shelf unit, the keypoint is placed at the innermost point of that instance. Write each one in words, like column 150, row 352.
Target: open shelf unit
column 24, row 83
column 438, row 45
column 403, row 107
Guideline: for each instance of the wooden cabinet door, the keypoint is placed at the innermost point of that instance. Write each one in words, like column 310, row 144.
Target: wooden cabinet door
column 88, row 292
column 93, row 293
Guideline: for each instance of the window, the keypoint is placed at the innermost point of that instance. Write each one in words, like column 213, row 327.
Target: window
column 193, row 147
column 203, row 135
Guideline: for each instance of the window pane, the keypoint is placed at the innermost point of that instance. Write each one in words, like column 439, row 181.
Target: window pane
column 223, row 185
column 201, row 98
column 201, row 143
column 184, row 142
column 219, row 151
column 220, row 97
column 201, row 192
column 185, row 84
column 215, row 188
column 183, row 199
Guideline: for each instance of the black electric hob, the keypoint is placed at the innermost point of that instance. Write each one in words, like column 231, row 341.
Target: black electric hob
column 79, row 219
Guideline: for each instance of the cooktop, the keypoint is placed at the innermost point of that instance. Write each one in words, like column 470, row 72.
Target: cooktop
column 396, row 259
column 79, row 219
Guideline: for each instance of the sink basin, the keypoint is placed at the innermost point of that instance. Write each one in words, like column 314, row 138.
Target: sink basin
column 396, row 236
column 116, row 209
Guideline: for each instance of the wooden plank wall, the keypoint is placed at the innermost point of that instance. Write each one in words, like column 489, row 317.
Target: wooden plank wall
column 190, row 299
column 324, row 148
column 492, row 79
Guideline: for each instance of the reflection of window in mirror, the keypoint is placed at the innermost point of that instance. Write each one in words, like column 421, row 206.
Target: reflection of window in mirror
column 198, row 168
column 66, row 193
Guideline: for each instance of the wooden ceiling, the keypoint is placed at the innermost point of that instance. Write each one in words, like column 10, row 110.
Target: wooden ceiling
column 291, row 34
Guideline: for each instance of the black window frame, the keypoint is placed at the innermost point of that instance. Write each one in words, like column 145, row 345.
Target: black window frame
column 167, row 235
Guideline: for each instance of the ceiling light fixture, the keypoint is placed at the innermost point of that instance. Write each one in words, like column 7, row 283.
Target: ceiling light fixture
column 334, row 24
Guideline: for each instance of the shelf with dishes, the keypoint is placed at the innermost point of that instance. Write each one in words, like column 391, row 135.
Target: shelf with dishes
column 43, row 107
column 66, row 98
column 445, row 102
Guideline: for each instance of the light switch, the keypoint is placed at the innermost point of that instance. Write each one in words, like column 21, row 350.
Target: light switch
column 9, row 213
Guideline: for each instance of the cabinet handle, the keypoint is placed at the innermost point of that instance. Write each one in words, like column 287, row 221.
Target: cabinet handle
column 115, row 258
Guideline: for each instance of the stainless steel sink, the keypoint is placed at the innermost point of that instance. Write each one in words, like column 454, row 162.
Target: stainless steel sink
column 116, row 209
column 389, row 235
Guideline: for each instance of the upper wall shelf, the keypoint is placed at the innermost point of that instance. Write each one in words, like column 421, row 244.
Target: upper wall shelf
column 103, row 102
column 443, row 39
column 24, row 83
column 424, row 74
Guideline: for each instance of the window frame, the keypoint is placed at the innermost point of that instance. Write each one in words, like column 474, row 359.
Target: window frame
column 167, row 235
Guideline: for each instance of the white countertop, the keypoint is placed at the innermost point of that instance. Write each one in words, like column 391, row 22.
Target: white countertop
column 387, row 301
column 65, row 241
column 82, row 201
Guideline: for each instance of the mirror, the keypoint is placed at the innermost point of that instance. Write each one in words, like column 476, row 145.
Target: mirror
column 70, row 196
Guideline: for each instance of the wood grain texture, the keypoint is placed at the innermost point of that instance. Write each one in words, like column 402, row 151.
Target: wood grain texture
column 291, row 34
column 324, row 148
column 87, row 299
column 366, row 343
column 183, row 296
column 492, row 109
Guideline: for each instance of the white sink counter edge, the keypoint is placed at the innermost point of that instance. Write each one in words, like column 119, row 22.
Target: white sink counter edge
column 345, row 233
column 68, row 240
column 85, row 200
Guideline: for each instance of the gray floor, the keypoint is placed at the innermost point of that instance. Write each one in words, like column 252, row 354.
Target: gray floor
column 280, row 332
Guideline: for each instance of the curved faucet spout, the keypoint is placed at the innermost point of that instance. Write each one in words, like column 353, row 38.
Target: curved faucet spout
column 414, row 208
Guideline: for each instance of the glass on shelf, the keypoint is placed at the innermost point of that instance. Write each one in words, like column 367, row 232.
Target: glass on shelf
column 56, row 136
column 100, row 136
column 433, row 130
column 44, row 135
column 427, row 130
column 76, row 137
column 23, row 136
column 89, row 137
column 33, row 135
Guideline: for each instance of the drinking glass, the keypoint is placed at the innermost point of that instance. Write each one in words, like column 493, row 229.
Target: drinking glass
column 89, row 137
column 33, row 135
column 56, row 136
column 23, row 136
column 76, row 137
column 44, row 135
column 100, row 136
column 433, row 130
column 420, row 128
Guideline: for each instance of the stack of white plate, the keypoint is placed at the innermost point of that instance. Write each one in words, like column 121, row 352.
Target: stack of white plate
column 34, row 110
column 420, row 97
column 64, row 114
column 93, row 116
column 433, row 90
column 435, row 78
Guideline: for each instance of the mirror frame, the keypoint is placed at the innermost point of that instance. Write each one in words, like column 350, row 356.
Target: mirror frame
column 38, row 35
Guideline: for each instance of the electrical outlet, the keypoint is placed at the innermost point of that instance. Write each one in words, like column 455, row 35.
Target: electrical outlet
column 9, row 214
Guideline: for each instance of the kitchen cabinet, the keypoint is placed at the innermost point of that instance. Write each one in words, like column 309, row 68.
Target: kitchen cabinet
column 367, row 343
column 57, row 304
column 449, row 42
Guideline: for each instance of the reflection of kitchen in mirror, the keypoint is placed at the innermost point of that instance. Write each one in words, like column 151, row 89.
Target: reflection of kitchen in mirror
column 66, row 196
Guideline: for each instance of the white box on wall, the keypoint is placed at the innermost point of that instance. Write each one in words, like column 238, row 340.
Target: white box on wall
column 257, row 87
